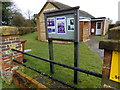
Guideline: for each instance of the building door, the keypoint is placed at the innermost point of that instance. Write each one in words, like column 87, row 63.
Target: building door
column 98, row 28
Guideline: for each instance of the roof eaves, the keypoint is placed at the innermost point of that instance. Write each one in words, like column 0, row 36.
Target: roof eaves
column 42, row 9
column 60, row 5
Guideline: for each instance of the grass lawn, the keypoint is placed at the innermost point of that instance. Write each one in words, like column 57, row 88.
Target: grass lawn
column 63, row 53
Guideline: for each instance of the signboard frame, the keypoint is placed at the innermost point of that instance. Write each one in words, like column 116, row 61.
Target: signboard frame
column 73, row 13
column 50, row 22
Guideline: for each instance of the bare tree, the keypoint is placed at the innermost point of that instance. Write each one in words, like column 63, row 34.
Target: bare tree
column 28, row 14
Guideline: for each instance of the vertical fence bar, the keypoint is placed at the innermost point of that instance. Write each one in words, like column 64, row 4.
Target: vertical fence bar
column 51, row 55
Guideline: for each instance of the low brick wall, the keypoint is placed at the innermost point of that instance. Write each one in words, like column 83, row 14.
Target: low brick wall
column 9, row 40
column 24, row 81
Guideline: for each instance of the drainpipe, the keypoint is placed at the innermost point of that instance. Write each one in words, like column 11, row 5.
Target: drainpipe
column 104, row 27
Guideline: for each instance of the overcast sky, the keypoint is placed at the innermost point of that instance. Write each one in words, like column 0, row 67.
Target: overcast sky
column 98, row 8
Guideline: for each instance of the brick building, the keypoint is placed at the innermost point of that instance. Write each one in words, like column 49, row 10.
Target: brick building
column 99, row 26
column 85, row 20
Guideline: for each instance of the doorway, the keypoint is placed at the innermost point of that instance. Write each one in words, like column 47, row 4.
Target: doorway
column 98, row 28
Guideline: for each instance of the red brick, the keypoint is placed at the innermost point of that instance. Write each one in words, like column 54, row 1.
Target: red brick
column 107, row 62
column 22, row 85
column 108, row 54
column 16, row 82
column 7, row 69
column 11, row 39
column 105, row 71
column 6, row 63
column 5, row 58
column 5, row 66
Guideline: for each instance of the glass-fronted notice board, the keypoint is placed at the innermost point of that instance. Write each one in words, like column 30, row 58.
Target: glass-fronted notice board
column 63, row 24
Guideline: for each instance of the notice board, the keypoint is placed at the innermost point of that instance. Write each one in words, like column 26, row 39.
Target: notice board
column 62, row 24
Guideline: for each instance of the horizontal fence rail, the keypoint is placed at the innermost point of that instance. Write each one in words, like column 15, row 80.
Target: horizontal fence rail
column 64, row 65
column 38, row 71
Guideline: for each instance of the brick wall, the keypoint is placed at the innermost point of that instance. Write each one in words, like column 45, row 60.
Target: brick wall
column 106, row 67
column 24, row 81
column 7, row 42
column 84, row 30
column 81, row 31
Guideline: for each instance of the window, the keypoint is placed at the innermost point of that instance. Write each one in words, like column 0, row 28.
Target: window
column 99, row 25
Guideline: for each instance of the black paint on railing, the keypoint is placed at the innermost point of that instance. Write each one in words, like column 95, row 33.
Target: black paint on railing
column 64, row 65
column 47, row 75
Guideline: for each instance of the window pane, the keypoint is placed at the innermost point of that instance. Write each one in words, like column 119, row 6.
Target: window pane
column 99, row 25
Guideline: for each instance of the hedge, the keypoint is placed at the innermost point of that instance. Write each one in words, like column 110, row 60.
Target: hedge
column 26, row 30
column 8, row 30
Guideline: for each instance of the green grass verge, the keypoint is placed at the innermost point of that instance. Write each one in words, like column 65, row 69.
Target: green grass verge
column 6, row 86
column 63, row 53
column 100, row 37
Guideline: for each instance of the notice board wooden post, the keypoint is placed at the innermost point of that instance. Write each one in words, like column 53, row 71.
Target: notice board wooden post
column 76, row 60
column 63, row 25
column 51, row 55
column 76, row 46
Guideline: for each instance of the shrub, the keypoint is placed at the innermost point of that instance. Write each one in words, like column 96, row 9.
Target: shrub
column 26, row 30
column 118, row 23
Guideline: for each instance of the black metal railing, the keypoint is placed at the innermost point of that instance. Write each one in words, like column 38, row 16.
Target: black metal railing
column 38, row 71
column 57, row 63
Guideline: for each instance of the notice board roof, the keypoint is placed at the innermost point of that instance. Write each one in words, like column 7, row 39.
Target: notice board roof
column 56, row 11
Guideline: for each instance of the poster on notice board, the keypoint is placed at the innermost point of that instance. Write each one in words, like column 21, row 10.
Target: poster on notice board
column 61, row 25
column 51, row 25
column 70, row 24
